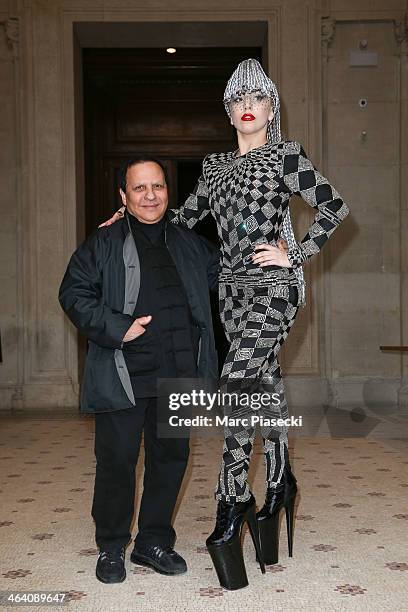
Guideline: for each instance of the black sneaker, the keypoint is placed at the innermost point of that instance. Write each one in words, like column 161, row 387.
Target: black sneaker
column 110, row 567
column 163, row 560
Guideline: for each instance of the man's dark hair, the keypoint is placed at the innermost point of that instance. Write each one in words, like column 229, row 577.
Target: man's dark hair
column 133, row 161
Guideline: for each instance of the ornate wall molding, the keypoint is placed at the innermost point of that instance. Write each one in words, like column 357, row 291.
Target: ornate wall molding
column 328, row 28
column 401, row 34
column 11, row 28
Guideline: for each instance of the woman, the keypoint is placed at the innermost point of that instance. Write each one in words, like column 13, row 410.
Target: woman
column 261, row 287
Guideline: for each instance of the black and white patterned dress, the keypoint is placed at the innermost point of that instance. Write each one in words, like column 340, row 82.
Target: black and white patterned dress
column 248, row 197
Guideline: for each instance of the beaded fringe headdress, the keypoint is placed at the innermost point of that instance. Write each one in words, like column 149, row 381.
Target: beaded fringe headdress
column 249, row 76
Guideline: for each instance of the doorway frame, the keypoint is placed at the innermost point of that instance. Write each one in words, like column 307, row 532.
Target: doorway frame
column 73, row 153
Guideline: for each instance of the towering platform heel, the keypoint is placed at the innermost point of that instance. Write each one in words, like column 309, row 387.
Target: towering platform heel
column 283, row 496
column 224, row 544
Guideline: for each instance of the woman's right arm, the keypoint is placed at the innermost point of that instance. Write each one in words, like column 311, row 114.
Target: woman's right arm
column 195, row 208
column 115, row 217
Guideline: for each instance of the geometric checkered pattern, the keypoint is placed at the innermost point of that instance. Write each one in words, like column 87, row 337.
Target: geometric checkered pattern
column 248, row 196
column 303, row 179
column 256, row 324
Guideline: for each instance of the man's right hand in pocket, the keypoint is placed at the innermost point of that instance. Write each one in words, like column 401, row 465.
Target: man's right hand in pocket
column 137, row 328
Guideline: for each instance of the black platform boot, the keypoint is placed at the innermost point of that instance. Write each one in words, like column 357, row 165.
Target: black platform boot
column 283, row 496
column 224, row 544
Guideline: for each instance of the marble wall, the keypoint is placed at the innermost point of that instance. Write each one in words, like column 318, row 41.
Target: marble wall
column 357, row 289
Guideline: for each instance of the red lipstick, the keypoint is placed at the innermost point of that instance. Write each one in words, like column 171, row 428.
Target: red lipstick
column 247, row 117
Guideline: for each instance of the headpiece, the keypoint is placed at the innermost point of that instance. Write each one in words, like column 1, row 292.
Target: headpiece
column 249, row 76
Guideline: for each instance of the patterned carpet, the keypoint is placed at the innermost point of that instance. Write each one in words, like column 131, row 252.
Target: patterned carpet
column 350, row 549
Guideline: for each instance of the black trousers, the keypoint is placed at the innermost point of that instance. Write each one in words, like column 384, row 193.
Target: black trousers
column 117, row 443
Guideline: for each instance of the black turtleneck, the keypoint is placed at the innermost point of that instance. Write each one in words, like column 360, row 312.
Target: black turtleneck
column 152, row 231
column 169, row 346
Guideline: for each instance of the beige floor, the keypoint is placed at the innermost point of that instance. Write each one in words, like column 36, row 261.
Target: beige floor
column 350, row 535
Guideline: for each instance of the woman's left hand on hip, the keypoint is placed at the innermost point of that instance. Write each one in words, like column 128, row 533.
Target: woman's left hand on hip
column 269, row 255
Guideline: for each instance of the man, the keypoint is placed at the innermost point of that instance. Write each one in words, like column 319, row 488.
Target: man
column 138, row 290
